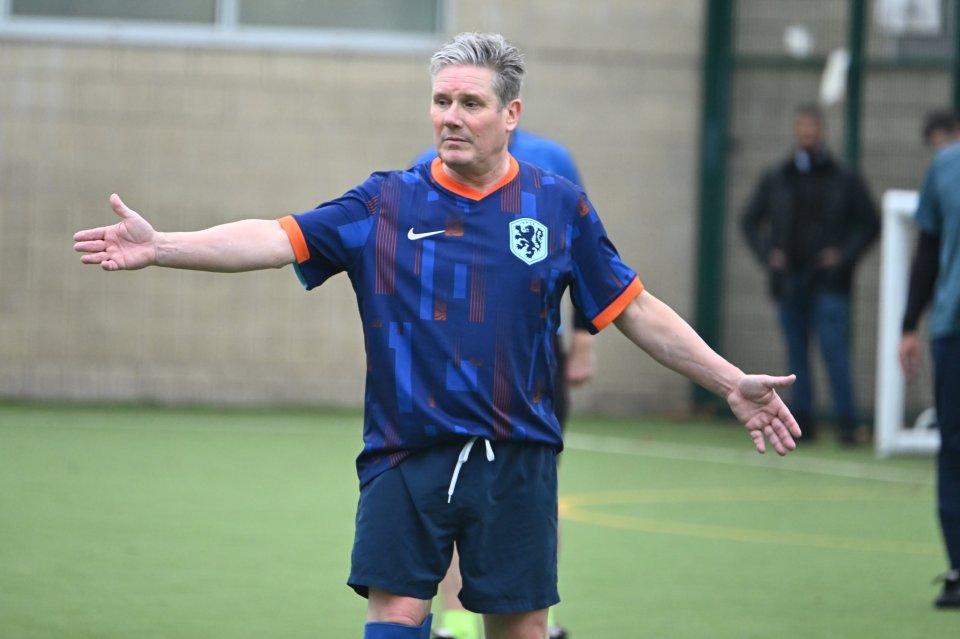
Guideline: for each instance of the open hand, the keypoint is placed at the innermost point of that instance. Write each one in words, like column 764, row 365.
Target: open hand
column 756, row 404
column 127, row 245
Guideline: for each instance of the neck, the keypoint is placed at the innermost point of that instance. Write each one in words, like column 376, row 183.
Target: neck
column 480, row 179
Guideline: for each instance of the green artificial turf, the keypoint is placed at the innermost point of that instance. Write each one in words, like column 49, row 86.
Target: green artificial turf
column 139, row 523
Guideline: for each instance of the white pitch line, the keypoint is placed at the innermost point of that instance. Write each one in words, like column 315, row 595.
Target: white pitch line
column 796, row 462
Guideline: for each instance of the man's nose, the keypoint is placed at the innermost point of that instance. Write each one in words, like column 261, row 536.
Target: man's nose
column 451, row 117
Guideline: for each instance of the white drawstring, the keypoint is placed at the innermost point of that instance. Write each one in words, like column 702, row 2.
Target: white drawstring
column 462, row 458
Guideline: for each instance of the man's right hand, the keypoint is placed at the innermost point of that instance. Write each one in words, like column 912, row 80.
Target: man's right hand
column 910, row 354
column 127, row 245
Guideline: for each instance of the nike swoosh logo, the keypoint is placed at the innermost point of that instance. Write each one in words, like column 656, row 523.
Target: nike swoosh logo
column 413, row 235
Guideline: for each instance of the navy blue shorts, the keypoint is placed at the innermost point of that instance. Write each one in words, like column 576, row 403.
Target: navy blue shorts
column 502, row 517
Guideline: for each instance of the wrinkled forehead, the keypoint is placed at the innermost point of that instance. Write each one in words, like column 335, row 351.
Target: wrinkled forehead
column 464, row 78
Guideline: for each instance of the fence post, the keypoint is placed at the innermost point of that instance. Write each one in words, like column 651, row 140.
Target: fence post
column 713, row 176
column 857, row 26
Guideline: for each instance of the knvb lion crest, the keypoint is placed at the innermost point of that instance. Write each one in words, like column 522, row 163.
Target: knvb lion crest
column 528, row 240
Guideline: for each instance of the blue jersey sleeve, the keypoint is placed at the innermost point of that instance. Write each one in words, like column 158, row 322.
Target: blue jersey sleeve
column 602, row 284
column 329, row 238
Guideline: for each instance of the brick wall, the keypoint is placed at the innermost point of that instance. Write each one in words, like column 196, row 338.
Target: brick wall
column 193, row 138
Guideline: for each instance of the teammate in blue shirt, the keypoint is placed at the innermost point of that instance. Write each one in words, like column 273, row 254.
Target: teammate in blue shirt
column 935, row 276
column 458, row 268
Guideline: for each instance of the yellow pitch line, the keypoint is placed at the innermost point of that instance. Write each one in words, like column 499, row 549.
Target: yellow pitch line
column 722, row 533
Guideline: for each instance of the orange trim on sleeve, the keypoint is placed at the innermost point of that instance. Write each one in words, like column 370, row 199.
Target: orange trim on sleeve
column 440, row 177
column 616, row 307
column 297, row 241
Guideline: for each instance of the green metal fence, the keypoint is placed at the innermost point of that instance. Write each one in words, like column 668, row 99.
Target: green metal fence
column 761, row 59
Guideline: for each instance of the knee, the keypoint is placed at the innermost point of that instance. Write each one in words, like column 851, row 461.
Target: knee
column 528, row 625
column 385, row 607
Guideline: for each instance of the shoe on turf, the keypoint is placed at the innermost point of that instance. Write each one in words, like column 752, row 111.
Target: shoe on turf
column 950, row 597
column 557, row 632
column 442, row 633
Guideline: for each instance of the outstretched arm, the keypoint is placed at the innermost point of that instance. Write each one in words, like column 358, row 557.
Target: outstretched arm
column 665, row 336
column 132, row 244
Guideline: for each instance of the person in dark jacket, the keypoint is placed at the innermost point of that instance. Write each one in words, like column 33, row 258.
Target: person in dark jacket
column 809, row 222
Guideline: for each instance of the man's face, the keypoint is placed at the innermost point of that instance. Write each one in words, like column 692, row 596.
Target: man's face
column 939, row 137
column 807, row 132
column 470, row 130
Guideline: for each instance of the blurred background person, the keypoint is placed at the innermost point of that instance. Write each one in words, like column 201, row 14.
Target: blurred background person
column 808, row 222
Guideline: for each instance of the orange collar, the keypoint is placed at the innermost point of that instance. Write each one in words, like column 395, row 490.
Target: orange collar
column 447, row 182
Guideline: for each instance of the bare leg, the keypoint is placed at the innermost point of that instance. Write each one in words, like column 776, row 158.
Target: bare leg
column 386, row 607
column 451, row 584
column 455, row 620
column 522, row 625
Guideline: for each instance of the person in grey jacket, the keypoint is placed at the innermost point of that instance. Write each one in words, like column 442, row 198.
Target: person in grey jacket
column 809, row 222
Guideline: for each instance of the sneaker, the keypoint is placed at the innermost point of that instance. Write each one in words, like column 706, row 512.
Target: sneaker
column 557, row 632
column 442, row 633
column 950, row 597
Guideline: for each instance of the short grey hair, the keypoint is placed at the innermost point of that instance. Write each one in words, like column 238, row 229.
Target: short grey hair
column 489, row 50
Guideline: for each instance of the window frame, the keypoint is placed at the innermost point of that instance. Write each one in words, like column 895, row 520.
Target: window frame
column 225, row 32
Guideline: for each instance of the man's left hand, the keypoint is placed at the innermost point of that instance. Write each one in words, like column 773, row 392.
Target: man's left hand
column 756, row 404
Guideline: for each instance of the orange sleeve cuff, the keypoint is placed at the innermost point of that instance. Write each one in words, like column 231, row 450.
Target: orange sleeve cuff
column 616, row 307
column 297, row 241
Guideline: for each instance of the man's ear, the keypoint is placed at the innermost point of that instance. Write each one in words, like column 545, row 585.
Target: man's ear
column 513, row 114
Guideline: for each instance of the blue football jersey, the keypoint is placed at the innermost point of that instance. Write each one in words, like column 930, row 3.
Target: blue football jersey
column 459, row 295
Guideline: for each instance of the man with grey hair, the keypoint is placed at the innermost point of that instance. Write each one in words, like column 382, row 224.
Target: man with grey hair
column 459, row 266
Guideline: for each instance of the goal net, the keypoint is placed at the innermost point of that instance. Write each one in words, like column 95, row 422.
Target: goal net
column 892, row 435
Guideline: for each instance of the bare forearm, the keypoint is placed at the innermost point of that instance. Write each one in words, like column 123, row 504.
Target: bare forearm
column 246, row 245
column 665, row 336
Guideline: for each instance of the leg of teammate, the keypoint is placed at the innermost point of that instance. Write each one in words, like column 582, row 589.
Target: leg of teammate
column 455, row 621
column 561, row 402
column 946, row 358
column 391, row 616
column 521, row 625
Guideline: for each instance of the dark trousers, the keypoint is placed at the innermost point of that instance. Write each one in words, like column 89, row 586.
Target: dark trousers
column 946, row 375
column 802, row 313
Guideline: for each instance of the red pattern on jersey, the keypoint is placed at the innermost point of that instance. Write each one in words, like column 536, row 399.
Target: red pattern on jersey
column 502, row 424
column 386, row 258
column 510, row 198
column 478, row 289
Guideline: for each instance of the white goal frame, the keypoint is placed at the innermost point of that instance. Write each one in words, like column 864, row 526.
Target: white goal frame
column 891, row 435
